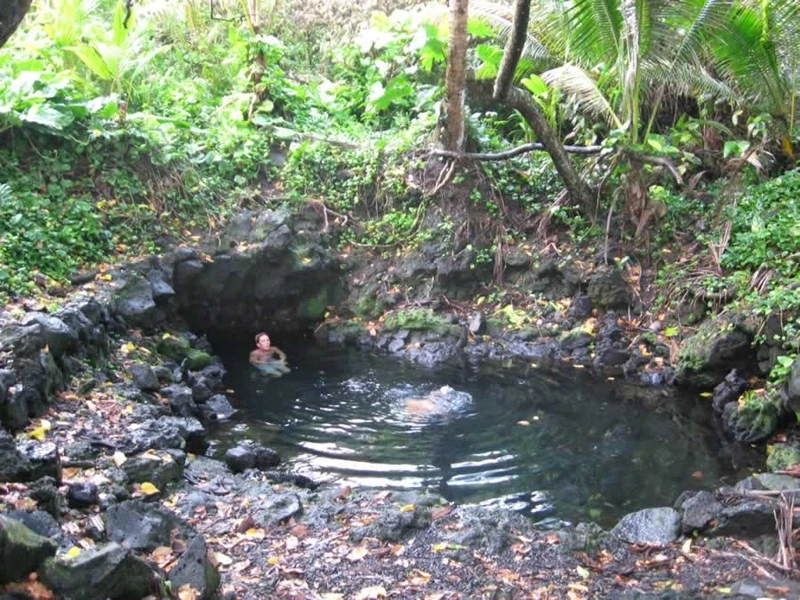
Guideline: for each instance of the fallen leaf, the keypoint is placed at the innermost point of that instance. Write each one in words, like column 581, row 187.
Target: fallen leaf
column 523, row 423
column 370, row 593
column 357, row 554
column 149, row 489
column 441, row 512
column 439, row 547
column 408, row 508
column 291, row 542
column 434, row 596
column 299, row 531
column 119, row 458
column 72, row 552
column 398, row 549
column 697, row 475
column 187, row 592
column 273, row 560
column 687, row 546
column 420, row 578
column 582, row 571
column 223, row 559
column 332, row 596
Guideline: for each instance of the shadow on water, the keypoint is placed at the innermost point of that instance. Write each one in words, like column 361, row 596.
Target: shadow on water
column 554, row 443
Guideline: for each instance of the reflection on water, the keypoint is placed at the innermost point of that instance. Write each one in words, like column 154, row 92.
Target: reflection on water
column 548, row 443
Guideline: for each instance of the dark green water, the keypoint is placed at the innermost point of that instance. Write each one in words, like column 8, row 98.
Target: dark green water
column 585, row 453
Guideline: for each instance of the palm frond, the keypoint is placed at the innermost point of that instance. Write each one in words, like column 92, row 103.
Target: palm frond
column 575, row 82
column 500, row 18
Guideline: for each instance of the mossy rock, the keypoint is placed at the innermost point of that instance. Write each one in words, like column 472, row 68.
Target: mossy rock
column 314, row 308
column 718, row 346
column 754, row 417
column 197, row 359
column 782, row 456
column 420, row 319
column 21, row 550
column 174, row 347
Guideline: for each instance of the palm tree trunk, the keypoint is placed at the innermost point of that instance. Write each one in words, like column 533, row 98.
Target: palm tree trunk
column 11, row 14
column 452, row 135
column 578, row 189
column 513, row 50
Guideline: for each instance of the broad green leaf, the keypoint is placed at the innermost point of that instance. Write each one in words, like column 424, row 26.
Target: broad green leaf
column 48, row 116
column 479, row 28
column 90, row 57
column 535, row 85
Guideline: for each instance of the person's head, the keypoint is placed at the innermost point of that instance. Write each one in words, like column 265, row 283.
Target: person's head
column 262, row 341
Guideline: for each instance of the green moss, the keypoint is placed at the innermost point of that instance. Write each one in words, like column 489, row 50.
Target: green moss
column 756, row 415
column 174, row 347
column 782, row 456
column 314, row 308
column 197, row 359
column 420, row 319
column 368, row 306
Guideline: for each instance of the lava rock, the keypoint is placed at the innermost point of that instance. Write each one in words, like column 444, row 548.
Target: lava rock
column 195, row 569
column 249, row 455
column 14, row 466
column 159, row 468
column 143, row 377
column 649, row 526
column 393, row 524
column 139, row 526
column 105, row 571
column 43, row 458
column 728, row 391
column 699, row 511
column 21, row 550
column 221, row 406
column 82, row 495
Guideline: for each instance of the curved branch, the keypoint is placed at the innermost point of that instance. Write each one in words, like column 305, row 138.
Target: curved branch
column 513, row 50
column 506, row 154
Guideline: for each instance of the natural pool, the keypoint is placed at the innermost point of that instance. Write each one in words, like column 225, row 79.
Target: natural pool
column 551, row 443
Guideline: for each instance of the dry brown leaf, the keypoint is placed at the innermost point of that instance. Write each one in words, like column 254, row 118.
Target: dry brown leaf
column 357, row 553
column 299, row 531
column 371, row 593
column 187, row 592
column 441, row 512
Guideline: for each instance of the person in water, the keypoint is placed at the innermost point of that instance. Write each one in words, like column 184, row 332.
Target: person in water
column 264, row 356
column 427, row 404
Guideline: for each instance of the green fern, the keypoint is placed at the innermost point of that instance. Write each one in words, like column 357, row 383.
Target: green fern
column 6, row 194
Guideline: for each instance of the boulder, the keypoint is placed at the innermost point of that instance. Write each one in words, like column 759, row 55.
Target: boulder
column 43, row 459
column 143, row 377
column 649, row 526
column 608, row 289
column 139, row 526
column 699, row 511
column 250, row 455
column 221, row 406
column 105, row 571
column 21, row 550
column 555, row 280
column 195, row 570
column 706, row 357
column 40, row 522
column 159, row 468
column 82, row 494
column 754, row 417
column 134, row 302
column 728, row 391
column 781, row 456
column 57, row 335
column 14, row 466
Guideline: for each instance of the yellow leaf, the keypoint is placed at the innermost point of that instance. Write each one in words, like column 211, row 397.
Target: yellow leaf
column 37, row 434
column 119, row 458
column 149, row 489
column 439, row 547
column 706, row 394
column 582, row 571
column 724, row 590
column 223, row 559
column 357, row 554
column 523, row 423
column 255, row 534
column 106, row 277
column 273, row 560
column 72, row 552
column 306, row 260
column 371, row 593
column 408, row 508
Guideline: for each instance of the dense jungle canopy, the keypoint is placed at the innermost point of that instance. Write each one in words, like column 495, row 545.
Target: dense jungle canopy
column 662, row 133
